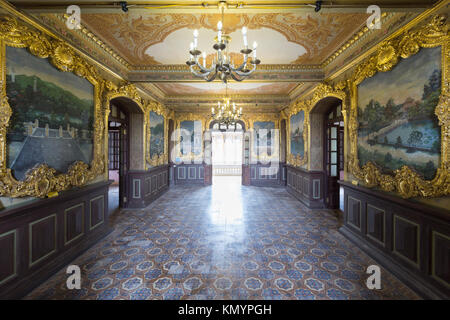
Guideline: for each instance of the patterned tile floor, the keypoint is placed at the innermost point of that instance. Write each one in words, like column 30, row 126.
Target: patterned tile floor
column 224, row 242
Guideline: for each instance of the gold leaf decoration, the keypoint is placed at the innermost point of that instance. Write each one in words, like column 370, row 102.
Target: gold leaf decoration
column 41, row 180
column 406, row 181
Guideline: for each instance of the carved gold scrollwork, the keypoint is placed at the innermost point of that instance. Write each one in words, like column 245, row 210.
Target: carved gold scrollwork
column 41, row 179
column 407, row 182
column 320, row 92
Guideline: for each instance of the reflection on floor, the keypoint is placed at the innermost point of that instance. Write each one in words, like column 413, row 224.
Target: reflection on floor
column 341, row 199
column 113, row 198
column 224, row 241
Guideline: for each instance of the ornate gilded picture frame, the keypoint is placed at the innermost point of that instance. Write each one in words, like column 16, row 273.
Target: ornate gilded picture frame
column 42, row 179
column 405, row 180
column 158, row 158
column 298, row 160
column 258, row 121
column 191, row 156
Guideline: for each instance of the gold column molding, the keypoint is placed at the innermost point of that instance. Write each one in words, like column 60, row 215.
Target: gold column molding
column 405, row 181
column 41, row 179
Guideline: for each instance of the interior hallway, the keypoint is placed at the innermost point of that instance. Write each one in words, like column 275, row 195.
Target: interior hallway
column 223, row 241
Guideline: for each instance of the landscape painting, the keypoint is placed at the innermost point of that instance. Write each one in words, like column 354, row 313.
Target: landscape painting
column 296, row 134
column 191, row 137
column 156, row 134
column 52, row 114
column 263, row 136
column 397, row 124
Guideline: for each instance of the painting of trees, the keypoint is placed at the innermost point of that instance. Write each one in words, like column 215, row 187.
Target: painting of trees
column 397, row 123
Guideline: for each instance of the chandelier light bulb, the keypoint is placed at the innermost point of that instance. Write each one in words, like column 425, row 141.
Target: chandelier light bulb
column 222, row 64
column 255, row 44
column 195, row 38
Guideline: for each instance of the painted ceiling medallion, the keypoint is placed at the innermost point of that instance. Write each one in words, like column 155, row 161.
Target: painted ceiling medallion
column 222, row 65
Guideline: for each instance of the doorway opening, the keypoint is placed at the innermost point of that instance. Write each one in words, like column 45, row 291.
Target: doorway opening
column 334, row 156
column 117, row 155
column 227, row 153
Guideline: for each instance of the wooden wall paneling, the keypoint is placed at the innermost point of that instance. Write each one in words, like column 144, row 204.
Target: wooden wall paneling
column 409, row 239
column 41, row 236
column 147, row 185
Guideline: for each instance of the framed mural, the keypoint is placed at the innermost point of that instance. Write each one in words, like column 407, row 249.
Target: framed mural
column 263, row 136
column 297, row 135
column 157, row 134
column 52, row 114
column 191, row 137
column 52, row 124
column 399, row 117
column 297, row 143
column 397, row 126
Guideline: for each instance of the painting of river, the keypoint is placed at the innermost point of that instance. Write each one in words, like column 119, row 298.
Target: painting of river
column 397, row 124
column 296, row 134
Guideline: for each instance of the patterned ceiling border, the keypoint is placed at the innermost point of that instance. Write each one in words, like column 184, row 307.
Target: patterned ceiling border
column 357, row 35
column 262, row 67
column 90, row 35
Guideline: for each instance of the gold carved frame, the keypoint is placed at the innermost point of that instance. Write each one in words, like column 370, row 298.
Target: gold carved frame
column 159, row 109
column 41, row 180
column 297, row 160
column 189, row 116
column 264, row 157
column 407, row 182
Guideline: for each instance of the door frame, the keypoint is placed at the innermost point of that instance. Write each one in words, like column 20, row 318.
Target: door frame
column 124, row 152
column 245, row 170
column 328, row 201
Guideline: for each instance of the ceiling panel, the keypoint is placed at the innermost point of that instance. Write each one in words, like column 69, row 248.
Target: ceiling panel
column 214, row 88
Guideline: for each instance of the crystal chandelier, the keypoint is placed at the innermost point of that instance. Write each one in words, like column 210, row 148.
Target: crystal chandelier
column 227, row 113
column 222, row 66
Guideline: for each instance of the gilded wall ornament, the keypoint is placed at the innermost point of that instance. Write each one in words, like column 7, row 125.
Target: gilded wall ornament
column 321, row 91
column 406, row 181
column 41, row 179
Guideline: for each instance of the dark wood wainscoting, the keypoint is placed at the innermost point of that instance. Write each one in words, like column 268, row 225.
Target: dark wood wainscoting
column 146, row 186
column 40, row 237
column 306, row 186
column 267, row 175
column 189, row 173
column 408, row 238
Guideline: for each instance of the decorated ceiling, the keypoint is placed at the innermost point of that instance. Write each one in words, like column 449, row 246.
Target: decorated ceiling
column 147, row 39
column 149, row 45
column 215, row 88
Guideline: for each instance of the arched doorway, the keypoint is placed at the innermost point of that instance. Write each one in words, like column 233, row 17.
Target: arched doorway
column 228, row 151
column 125, row 148
column 327, row 149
